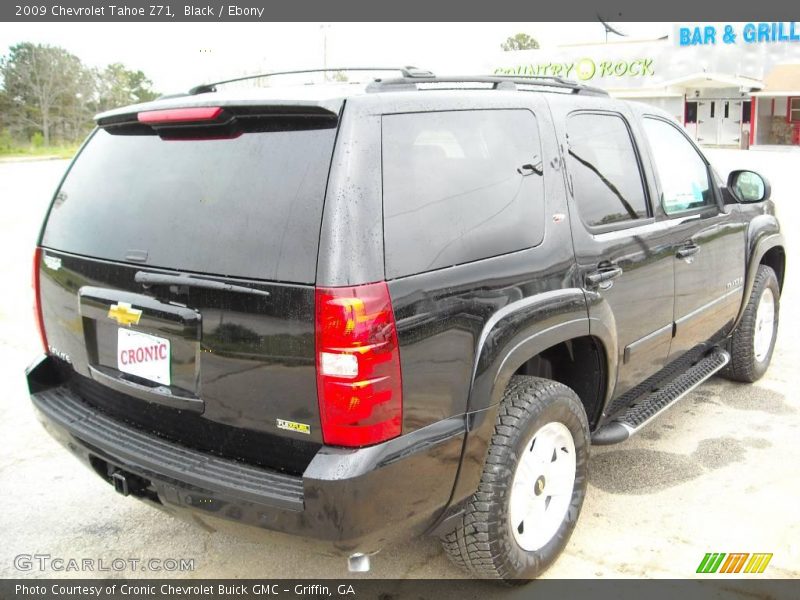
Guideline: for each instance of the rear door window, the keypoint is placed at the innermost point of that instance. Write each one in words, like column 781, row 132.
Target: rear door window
column 460, row 186
column 249, row 206
column 604, row 170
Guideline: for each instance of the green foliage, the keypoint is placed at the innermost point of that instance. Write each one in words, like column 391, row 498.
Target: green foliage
column 521, row 41
column 25, row 150
column 50, row 92
column 118, row 86
column 37, row 139
column 6, row 141
column 43, row 85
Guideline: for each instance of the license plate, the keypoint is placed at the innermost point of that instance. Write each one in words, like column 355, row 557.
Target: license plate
column 143, row 355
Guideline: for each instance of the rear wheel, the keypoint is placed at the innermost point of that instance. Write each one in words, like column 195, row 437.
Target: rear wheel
column 532, row 487
column 753, row 341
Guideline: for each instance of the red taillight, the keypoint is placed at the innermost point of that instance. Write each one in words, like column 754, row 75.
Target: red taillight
column 358, row 365
column 37, row 298
column 180, row 115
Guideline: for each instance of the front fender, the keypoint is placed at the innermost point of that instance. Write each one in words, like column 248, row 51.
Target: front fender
column 763, row 234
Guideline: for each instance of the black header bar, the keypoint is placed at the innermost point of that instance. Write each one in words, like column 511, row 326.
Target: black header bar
column 407, row 10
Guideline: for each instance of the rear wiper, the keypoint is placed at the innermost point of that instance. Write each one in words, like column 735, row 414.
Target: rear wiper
column 148, row 279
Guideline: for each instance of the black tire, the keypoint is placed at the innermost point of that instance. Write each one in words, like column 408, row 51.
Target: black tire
column 744, row 365
column 483, row 543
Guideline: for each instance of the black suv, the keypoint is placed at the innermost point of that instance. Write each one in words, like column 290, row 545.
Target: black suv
column 358, row 313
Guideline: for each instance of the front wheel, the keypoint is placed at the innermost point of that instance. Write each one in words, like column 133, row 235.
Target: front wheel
column 753, row 341
column 532, row 487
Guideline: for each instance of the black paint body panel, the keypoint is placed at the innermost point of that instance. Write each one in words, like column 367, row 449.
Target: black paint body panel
column 347, row 500
column 248, row 358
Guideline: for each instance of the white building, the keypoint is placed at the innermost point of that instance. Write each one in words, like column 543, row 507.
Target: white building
column 729, row 84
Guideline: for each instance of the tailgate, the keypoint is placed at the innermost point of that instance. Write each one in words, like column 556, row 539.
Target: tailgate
column 177, row 285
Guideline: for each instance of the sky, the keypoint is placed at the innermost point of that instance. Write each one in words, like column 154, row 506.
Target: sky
column 177, row 56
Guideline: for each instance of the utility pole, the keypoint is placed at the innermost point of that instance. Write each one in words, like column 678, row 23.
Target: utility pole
column 324, row 29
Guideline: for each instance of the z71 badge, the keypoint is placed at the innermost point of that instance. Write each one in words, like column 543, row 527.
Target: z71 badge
column 292, row 426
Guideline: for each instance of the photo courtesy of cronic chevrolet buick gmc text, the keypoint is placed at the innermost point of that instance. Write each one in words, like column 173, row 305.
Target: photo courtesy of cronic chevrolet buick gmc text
column 363, row 312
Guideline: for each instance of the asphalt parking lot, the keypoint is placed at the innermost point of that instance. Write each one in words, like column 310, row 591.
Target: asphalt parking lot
column 717, row 473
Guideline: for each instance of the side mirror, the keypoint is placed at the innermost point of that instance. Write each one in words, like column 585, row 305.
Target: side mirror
column 748, row 186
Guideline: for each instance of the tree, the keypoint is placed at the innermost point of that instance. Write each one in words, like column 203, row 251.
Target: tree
column 48, row 90
column 76, row 117
column 43, row 86
column 118, row 86
column 5, row 110
column 521, row 41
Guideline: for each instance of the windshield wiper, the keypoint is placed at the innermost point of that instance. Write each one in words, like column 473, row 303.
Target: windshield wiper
column 148, row 279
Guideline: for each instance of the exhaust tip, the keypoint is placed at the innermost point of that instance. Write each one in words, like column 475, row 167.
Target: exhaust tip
column 358, row 563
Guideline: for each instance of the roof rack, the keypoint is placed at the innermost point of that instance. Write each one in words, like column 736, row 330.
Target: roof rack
column 498, row 82
column 408, row 73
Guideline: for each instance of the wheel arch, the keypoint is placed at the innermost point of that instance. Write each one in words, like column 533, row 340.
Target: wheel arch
column 765, row 246
column 525, row 329
column 775, row 258
column 513, row 337
column 581, row 364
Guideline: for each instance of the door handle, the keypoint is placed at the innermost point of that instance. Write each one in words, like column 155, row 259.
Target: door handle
column 603, row 275
column 688, row 250
column 530, row 169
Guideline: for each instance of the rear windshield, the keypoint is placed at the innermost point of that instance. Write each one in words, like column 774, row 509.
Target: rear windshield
column 249, row 206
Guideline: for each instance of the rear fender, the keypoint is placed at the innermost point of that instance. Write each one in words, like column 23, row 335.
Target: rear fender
column 511, row 337
column 520, row 331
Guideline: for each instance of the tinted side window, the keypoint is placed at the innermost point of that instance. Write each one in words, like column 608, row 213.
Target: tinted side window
column 604, row 169
column 681, row 170
column 460, row 186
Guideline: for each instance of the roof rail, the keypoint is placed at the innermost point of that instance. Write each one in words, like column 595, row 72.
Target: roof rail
column 498, row 82
column 406, row 72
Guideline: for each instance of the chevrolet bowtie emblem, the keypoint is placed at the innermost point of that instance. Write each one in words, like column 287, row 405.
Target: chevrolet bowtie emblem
column 124, row 314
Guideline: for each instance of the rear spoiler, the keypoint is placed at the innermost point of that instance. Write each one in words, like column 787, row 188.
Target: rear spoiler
column 215, row 121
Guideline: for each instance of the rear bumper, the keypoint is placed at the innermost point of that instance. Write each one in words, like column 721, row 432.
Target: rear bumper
column 353, row 500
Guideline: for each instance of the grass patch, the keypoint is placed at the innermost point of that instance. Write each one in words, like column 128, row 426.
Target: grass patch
column 67, row 151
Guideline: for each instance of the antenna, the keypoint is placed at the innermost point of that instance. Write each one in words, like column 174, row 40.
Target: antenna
column 609, row 28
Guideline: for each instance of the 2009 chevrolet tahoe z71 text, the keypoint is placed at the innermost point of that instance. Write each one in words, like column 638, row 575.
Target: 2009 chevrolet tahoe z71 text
column 358, row 313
